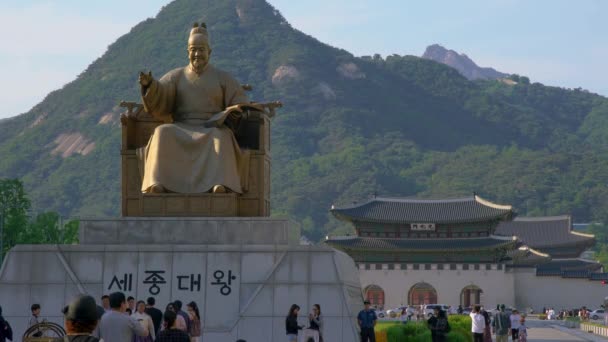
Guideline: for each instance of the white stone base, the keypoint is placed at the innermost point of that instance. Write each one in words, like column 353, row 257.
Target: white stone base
column 267, row 280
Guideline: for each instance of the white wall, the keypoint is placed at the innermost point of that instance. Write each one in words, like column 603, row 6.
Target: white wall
column 557, row 292
column 497, row 285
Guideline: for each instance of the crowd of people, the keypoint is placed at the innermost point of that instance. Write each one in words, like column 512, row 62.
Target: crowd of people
column 502, row 324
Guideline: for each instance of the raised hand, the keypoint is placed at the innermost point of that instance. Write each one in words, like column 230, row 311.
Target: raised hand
column 145, row 79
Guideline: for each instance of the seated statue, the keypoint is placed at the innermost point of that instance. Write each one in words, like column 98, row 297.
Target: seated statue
column 189, row 155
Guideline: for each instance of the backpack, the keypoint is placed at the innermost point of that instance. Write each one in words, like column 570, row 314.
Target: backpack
column 442, row 326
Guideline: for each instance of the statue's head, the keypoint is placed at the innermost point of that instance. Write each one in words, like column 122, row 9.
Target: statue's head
column 198, row 47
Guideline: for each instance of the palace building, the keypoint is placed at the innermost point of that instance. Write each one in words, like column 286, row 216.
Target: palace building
column 467, row 251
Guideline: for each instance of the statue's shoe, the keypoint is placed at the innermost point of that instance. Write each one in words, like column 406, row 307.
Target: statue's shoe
column 157, row 189
column 219, row 189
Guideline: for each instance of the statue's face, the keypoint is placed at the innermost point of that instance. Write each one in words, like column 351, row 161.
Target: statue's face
column 199, row 56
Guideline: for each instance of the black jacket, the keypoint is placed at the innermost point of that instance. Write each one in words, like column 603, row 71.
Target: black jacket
column 291, row 325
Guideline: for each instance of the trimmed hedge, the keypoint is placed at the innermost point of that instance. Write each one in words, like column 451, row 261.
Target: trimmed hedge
column 419, row 332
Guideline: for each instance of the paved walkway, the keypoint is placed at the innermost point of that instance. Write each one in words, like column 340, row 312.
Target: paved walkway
column 549, row 334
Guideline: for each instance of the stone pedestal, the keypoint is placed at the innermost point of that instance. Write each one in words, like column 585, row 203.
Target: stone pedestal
column 243, row 273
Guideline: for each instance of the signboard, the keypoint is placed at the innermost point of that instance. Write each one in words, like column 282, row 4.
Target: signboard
column 422, row 227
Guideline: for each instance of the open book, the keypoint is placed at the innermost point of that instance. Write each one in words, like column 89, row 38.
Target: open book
column 218, row 119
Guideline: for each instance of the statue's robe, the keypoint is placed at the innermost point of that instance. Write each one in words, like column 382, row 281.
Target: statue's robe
column 184, row 156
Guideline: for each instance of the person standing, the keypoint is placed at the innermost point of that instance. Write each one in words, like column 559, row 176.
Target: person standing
column 180, row 322
column 131, row 305
column 431, row 323
column 195, row 321
column 501, row 325
column 35, row 319
column 81, row 319
column 316, row 320
column 105, row 303
column 170, row 332
column 478, row 324
column 367, row 320
column 515, row 317
column 116, row 326
column 146, row 321
column 178, row 310
column 6, row 332
column 441, row 327
column 291, row 323
column 154, row 313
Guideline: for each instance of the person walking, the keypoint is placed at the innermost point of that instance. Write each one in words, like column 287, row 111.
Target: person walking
column 116, row 325
column 6, row 332
column 145, row 320
column 501, row 325
column 154, row 313
column 478, row 324
column 316, row 320
column 367, row 320
column 81, row 318
column 170, row 332
column 487, row 332
column 522, row 334
column 291, row 323
column 195, row 321
column 515, row 317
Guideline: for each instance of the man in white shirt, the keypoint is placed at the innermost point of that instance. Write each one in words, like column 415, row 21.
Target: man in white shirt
column 478, row 324
column 515, row 319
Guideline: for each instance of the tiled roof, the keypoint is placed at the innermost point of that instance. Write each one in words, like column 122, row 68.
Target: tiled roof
column 420, row 244
column 406, row 210
column 539, row 232
column 570, row 268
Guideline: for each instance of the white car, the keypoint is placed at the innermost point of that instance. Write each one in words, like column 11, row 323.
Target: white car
column 380, row 314
column 597, row 314
column 429, row 309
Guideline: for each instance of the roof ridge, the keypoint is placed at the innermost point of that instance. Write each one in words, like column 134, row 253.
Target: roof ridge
column 541, row 218
column 492, row 204
column 582, row 234
column 422, row 200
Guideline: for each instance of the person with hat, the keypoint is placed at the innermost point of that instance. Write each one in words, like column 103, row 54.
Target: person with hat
column 81, row 318
column 501, row 325
column 367, row 320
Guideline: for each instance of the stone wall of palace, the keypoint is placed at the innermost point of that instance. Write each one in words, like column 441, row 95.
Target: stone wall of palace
column 448, row 280
column 554, row 291
column 520, row 287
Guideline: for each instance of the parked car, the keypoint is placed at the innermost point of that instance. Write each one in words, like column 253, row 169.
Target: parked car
column 430, row 308
column 597, row 314
column 467, row 310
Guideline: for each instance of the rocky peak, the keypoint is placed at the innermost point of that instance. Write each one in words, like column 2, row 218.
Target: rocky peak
column 460, row 62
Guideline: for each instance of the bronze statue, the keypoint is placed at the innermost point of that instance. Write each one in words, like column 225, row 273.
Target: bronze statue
column 195, row 153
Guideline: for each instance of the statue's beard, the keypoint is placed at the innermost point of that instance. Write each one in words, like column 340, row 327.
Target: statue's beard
column 198, row 65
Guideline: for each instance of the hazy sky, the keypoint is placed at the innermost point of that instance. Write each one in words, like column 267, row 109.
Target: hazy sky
column 45, row 44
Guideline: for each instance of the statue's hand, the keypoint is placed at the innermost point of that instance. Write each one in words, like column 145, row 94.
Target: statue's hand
column 145, row 79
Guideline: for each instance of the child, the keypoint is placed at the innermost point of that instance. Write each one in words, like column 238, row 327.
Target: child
column 523, row 330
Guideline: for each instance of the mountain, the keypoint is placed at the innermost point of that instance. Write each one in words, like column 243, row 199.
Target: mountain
column 461, row 62
column 350, row 127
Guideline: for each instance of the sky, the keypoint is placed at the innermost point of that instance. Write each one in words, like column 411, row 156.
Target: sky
column 45, row 44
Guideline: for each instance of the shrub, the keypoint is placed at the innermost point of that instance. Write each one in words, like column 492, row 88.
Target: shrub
column 542, row 316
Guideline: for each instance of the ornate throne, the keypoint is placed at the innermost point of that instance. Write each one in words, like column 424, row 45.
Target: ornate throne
column 252, row 134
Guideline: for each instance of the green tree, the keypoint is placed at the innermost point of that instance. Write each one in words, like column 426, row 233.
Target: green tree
column 19, row 228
